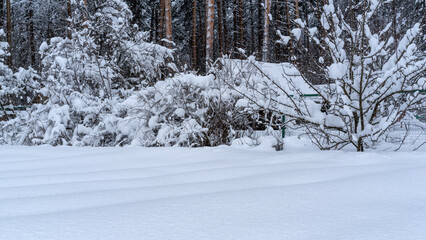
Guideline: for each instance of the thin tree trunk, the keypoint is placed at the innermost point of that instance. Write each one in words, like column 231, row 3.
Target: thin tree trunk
column 194, row 34
column 49, row 33
column 157, row 31
column 235, row 41
column 153, row 29
column 275, row 12
column 69, row 35
column 85, row 17
column 161, row 22
column 253, row 39
column 209, row 31
column 201, row 61
column 168, row 17
column 241, row 25
column 297, row 8
column 277, row 16
column 290, row 42
column 259, row 29
column 395, row 36
column 267, row 6
column 31, row 32
column 1, row 13
column 9, row 30
column 220, row 22
column 225, row 29
column 307, row 25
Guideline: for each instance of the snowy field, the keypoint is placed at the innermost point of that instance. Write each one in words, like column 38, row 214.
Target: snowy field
column 210, row 193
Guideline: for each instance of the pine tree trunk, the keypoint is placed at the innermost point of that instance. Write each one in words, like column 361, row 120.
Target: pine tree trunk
column 259, row 29
column 49, row 32
column 209, row 31
column 31, row 32
column 220, row 22
column 161, row 22
column 276, row 15
column 153, row 28
column 252, row 35
column 201, row 53
column 225, row 29
column 1, row 14
column 168, row 22
column 241, row 25
column 9, row 30
column 235, row 41
column 194, row 34
column 267, row 11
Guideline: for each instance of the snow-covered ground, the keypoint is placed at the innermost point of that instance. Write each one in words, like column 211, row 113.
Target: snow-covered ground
column 210, row 193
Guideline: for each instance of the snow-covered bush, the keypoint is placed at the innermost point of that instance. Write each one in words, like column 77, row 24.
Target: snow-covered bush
column 185, row 110
column 190, row 110
column 105, row 53
column 6, row 73
column 372, row 80
column 251, row 80
column 125, row 45
column 84, row 77
column 85, row 121
column 17, row 88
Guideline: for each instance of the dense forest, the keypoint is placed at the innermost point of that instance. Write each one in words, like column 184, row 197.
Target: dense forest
column 236, row 25
column 198, row 72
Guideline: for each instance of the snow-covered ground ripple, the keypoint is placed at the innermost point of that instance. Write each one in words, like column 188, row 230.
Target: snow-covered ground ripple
column 210, row 193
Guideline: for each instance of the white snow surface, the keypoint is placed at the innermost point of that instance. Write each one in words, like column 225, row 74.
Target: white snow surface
column 210, row 193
